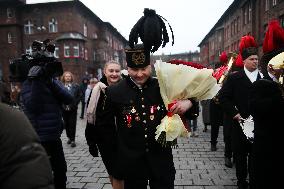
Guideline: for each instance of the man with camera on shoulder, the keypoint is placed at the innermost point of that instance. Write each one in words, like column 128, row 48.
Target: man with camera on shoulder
column 42, row 97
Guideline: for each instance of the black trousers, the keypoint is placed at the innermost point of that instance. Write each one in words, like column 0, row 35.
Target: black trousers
column 70, row 121
column 227, row 132
column 216, row 119
column 242, row 149
column 83, row 108
column 55, row 152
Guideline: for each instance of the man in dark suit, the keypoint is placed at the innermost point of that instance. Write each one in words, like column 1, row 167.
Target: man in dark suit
column 137, row 104
column 234, row 100
column 266, row 104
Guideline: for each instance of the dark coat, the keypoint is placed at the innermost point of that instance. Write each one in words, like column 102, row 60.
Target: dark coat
column 233, row 98
column 76, row 93
column 43, row 104
column 205, row 104
column 267, row 108
column 138, row 112
column 23, row 161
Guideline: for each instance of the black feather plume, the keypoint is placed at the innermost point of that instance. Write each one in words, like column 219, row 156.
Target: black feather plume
column 152, row 31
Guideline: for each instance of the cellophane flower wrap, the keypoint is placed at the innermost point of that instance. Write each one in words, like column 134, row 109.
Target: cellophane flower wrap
column 178, row 82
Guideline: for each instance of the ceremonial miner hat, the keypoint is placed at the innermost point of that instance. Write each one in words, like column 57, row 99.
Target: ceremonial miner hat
column 247, row 47
column 223, row 58
column 152, row 31
column 137, row 57
column 273, row 43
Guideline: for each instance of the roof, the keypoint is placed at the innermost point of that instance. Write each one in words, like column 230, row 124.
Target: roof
column 71, row 35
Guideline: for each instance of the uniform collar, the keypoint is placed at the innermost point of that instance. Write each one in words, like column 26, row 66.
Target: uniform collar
column 135, row 86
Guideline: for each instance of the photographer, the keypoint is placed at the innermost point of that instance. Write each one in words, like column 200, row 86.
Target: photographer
column 42, row 98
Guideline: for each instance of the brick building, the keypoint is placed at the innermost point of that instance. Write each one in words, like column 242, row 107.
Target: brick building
column 83, row 41
column 241, row 18
column 188, row 56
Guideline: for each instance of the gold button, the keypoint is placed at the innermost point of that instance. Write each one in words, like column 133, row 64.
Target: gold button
column 146, row 136
column 145, row 128
column 143, row 106
column 144, row 113
column 144, row 121
column 142, row 98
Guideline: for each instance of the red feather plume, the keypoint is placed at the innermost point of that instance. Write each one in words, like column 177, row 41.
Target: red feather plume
column 274, row 37
column 246, row 41
column 223, row 58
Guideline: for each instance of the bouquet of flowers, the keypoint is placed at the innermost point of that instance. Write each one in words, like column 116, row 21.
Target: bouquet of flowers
column 177, row 82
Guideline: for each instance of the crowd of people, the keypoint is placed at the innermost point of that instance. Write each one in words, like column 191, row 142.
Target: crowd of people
column 122, row 114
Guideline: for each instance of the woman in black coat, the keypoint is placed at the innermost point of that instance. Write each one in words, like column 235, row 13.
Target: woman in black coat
column 98, row 137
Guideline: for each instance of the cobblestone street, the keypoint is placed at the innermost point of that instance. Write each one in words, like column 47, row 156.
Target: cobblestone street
column 196, row 166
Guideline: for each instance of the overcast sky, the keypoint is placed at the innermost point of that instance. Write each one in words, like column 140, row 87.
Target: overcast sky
column 191, row 20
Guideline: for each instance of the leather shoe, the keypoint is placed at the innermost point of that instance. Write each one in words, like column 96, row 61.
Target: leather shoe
column 228, row 162
column 242, row 185
column 213, row 147
column 73, row 144
column 68, row 141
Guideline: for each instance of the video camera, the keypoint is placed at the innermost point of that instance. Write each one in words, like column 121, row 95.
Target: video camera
column 42, row 55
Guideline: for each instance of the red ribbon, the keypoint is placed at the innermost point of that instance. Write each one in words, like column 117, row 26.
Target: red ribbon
column 170, row 114
column 129, row 118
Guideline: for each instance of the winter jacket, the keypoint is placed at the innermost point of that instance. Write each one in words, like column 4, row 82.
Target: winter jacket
column 23, row 161
column 42, row 104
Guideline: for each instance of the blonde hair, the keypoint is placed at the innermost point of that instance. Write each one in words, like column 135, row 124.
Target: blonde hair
column 93, row 80
column 111, row 62
column 64, row 74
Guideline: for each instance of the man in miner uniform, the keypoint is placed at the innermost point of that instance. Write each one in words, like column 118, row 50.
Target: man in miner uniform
column 138, row 107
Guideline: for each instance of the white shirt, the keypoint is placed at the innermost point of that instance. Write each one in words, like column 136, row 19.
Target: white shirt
column 252, row 75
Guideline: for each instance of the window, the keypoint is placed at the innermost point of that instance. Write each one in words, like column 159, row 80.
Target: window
column 100, row 73
column 10, row 37
column 76, row 50
column 274, row 2
column 239, row 23
column 52, row 24
column 56, row 52
column 86, row 54
column 264, row 30
column 281, row 18
column 95, row 35
column 10, row 13
column 266, row 5
column 245, row 15
column 66, row 51
column 85, row 30
column 116, row 57
column 29, row 50
column 28, row 27
column 250, row 12
column 83, row 52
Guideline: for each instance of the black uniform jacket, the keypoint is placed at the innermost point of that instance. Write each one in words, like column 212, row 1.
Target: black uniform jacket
column 138, row 112
column 267, row 107
column 233, row 95
column 234, row 99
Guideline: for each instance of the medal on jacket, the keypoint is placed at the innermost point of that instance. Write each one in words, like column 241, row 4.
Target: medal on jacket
column 152, row 117
column 128, row 119
column 137, row 118
column 133, row 110
column 152, row 109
